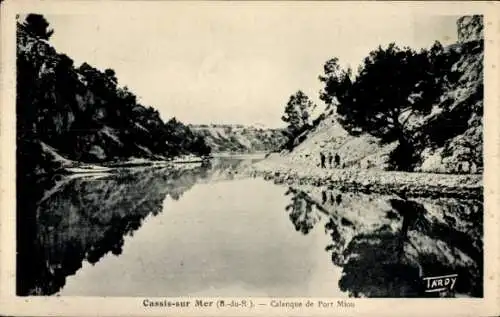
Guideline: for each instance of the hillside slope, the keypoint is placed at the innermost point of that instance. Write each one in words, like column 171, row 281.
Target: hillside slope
column 448, row 140
column 329, row 137
column 81, row 113
column 238, row 138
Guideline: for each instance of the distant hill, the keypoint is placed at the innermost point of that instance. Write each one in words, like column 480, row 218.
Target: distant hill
column 238, row 138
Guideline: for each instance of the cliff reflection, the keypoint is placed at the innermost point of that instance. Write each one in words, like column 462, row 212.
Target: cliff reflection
column 63, row 221
column 386, row 245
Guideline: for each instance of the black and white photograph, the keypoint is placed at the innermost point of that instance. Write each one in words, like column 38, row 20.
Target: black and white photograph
column 255, row 150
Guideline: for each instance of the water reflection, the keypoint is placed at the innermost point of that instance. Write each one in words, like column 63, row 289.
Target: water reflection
column 381, row 246
column 63, row 221
column 386, row 245
column 301, row 211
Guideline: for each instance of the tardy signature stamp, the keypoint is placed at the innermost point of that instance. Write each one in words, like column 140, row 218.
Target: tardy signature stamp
column 440, row 283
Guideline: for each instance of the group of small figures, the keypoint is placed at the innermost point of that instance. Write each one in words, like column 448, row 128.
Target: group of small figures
column 329, row 197
column 333, row 160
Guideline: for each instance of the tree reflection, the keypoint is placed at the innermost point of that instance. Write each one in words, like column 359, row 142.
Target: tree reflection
column 338, row 241
column 386, row 252
column 63, row 222
column 375, row 267
column 303, row 211
column 389, row 263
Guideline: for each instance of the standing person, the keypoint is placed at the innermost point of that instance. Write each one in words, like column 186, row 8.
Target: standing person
column 337, row 159
column 331, row 198
column 322, row 159
column 323, row 194
column 330, row 159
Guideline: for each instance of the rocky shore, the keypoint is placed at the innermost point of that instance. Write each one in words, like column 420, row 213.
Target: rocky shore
column 373, row 181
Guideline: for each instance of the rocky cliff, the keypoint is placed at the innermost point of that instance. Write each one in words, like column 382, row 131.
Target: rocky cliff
column 470, row 28
column 459, row 148
column 447, row 140
column 238, row 138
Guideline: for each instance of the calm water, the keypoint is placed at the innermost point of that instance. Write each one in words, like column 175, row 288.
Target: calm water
column 216, row 231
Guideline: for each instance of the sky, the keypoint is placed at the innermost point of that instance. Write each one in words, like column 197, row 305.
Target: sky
column 229, row 63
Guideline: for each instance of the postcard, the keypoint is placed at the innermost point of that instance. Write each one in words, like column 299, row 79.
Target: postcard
column 260, row 158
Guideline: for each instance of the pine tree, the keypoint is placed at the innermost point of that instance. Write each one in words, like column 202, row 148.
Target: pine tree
column 297, row 115
column 37, row 25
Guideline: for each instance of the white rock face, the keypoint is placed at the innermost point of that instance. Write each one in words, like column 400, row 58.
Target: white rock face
column 470, row 28
column 432, row 162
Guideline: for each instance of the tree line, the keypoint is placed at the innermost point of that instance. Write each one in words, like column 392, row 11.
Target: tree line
column 82, row 111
